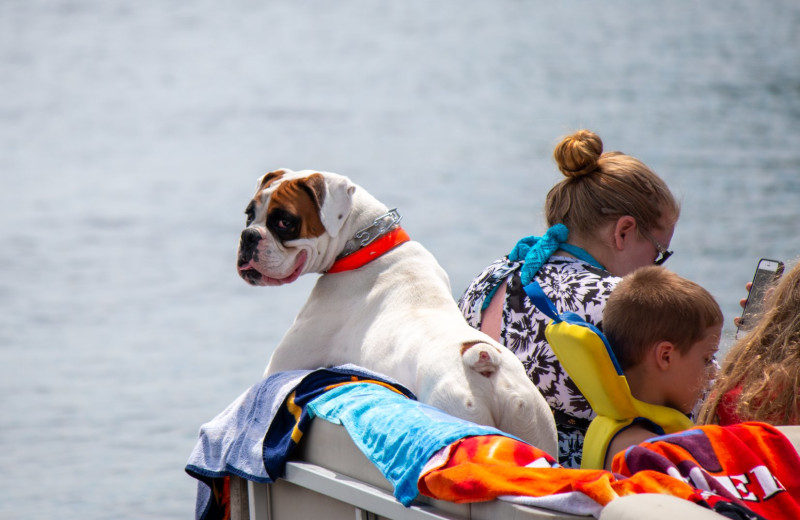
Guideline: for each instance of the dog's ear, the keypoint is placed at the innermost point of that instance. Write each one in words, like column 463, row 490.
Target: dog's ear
column 268, row 178
column 334, row 195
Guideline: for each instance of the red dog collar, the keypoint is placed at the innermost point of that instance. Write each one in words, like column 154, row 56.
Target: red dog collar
column 370, row 252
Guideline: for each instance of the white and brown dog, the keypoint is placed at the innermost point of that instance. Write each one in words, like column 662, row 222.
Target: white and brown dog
column 382, row 302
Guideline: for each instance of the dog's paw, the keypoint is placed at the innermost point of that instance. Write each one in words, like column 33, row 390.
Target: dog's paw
column 481, row 357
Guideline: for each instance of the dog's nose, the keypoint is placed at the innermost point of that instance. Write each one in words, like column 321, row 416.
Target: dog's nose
column 248, row 243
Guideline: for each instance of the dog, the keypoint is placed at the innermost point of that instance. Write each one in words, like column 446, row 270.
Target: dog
column 382, row 302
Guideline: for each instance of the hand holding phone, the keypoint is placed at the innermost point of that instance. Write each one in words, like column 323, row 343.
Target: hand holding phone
column 767, row 272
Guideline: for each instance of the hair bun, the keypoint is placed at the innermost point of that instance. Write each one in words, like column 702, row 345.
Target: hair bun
column 577, row 154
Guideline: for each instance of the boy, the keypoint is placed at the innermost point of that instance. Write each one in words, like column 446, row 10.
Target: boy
column 664, row 331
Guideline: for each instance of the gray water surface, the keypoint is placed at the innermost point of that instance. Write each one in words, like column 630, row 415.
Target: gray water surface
column 132, row 134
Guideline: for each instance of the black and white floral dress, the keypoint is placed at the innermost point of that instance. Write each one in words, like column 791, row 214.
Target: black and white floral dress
column 572, row 285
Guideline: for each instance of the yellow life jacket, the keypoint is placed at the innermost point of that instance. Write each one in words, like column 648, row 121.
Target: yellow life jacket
column 587, row 357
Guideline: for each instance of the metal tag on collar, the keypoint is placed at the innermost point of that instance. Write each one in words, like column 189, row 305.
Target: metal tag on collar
column 379, row 227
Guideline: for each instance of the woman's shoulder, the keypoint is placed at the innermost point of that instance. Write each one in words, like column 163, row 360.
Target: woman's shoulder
column 573, row 269
column 493, row 273
column 576, row 286
column 480, row 290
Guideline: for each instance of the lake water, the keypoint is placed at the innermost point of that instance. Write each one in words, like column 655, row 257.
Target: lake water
column 132, row 133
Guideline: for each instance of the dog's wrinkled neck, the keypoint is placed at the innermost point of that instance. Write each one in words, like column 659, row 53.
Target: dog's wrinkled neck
column 365, row 236
column 371, row 242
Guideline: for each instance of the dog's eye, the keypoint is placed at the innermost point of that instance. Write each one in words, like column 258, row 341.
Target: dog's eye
column 285, row 225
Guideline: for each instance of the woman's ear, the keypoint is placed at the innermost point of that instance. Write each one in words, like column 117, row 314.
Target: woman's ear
column 624, row 231
column 665, row 354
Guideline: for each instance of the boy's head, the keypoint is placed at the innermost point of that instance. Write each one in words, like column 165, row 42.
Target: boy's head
column 664, row 331
column 653, row 304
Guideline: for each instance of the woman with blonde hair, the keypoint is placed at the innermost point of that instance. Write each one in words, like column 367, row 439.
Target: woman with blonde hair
column 760, row 375
column 610, row 215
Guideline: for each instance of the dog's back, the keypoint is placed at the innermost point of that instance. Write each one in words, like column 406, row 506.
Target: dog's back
column 397, row 316
column 391, row 310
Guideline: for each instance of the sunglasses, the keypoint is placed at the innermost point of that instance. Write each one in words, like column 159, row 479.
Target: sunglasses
column 663, row 252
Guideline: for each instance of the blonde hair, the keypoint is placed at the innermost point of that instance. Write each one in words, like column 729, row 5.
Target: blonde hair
column 765, row 363
column 652, row 304
column 600, row 187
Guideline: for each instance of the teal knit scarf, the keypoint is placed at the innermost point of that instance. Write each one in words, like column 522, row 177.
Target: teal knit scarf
column 535, row 251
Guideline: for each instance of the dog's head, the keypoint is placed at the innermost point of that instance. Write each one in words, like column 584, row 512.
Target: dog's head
column 291, row 223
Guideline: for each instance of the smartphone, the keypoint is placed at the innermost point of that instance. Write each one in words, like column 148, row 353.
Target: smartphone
column 767, row 272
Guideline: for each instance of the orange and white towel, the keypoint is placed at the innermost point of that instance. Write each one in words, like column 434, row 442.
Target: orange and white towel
column 748, row 470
